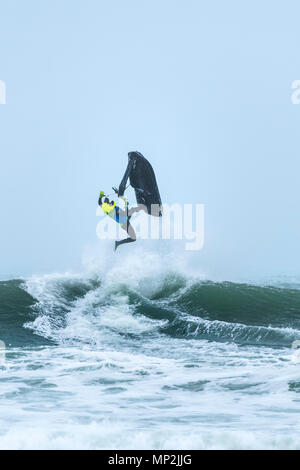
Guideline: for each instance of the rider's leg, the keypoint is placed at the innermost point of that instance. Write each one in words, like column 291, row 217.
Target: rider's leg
column 139, row 208
column 130, row 239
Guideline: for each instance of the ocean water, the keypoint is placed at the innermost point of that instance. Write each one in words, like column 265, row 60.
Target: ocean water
column 137, row 353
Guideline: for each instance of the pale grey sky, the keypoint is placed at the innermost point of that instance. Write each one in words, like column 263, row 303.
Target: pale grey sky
column 203, row 89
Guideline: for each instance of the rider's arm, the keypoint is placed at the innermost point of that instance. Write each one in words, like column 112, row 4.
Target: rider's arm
column 100, row 198
column 125, row 200
column 122, row 197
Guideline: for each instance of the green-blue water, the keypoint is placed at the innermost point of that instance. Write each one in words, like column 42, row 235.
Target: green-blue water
column 153, row 361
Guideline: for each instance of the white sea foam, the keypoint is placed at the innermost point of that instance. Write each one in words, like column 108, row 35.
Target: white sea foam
column 112, row 378
column 118, row 436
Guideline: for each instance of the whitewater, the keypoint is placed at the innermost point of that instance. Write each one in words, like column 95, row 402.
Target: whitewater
column 138, row 351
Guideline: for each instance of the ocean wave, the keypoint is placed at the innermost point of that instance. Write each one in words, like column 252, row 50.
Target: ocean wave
column 152, row 298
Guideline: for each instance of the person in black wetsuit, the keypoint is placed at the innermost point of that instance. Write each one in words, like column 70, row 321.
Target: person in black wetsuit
column 120, row 216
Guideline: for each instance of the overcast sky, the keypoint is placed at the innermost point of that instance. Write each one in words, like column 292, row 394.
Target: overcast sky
column 201, row 88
